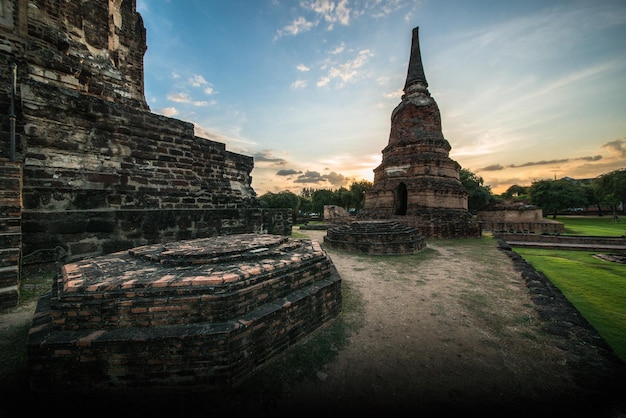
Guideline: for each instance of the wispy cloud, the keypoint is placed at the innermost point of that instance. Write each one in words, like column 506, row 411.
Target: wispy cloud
column 298, row 84
column 330, row 11
column 167, row 111
column 315, row 177
column 618, row 147
column 500, row 167
column 268, row 157
column 303, row 68
column 288, row 172
column 184, row 98
column 296, row 27
column 347, row 71
column 493, row 167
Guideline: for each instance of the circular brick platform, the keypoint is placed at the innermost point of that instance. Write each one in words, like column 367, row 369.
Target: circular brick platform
column 375, row 237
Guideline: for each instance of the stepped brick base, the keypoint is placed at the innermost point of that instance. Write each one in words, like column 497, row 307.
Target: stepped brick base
column 375, row 237
column 191, row 314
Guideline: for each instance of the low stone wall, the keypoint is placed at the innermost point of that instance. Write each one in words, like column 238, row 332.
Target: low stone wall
column 545, row 226
column 566, row 241
column 65, row 236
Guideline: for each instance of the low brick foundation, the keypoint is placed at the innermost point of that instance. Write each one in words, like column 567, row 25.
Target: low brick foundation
column 191, row 314
column 375, row 237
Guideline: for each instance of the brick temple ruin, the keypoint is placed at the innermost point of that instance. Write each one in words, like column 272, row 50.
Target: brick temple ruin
column 171, row 274
column 511, row 216
column 90, row 170
column 189, row 315
column 417, row 183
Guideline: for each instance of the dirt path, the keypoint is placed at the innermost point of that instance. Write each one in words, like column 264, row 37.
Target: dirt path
column 452, row 328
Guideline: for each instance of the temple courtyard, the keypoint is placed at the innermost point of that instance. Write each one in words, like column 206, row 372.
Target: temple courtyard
column 454, row 329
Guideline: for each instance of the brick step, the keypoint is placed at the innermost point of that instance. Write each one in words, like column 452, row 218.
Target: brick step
column 10, row 208
column 9, row 276
column 10, row 225
column 10, row 169
column 9, row 183
column 9, row 257
column 10, row 240
column 9, row 297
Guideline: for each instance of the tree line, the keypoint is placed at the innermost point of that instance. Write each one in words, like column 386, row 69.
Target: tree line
column 607, row 191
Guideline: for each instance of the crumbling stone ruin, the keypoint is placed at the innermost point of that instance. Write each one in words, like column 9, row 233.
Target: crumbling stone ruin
column 417, row 183
column 517, row 217
column 197, row 314
column 85, row 168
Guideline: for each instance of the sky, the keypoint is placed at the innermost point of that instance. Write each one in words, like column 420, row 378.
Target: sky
column 527, row 89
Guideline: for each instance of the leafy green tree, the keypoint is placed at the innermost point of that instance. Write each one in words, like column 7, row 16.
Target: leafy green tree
column 285, row 199
column 479, row 195
column 320, row 198
column 555, row 195
column 610, row 189
column 516, row 191
column 358, row 190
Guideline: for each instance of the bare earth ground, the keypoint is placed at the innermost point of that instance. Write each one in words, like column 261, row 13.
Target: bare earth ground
column 451, row 330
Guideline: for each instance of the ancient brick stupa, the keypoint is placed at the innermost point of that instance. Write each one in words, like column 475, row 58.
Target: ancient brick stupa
column 417, row 183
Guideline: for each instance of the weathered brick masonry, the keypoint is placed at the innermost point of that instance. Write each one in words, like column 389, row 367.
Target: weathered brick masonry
column 101, row 172
column 195, row 314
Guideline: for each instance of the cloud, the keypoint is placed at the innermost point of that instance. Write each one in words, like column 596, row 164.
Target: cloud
column 338, row 49
column 184, row 98
column 197, row 80
column 310, row 177
column 298, row 84
column 297, row 26
column 287, row 172
column 303, row 68
column 323, row 81
column 346, row 72
column 618, row 147
column 330, row 11
column 167, row 111
column 493, row 167
column 591, row 158
column 268, row 157
column 543, row 162
column 333, row 178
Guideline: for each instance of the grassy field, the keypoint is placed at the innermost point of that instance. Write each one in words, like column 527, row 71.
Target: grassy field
column 604, row 226
column 597, row 288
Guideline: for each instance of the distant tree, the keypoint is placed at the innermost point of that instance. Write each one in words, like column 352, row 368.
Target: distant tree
column 479, row 195
column 320, row 198
column 305, row 205
column 610, row 189
column 285, row 199
column 307, row 192
column 516, row 191
column 555, row 195
column 358, row 190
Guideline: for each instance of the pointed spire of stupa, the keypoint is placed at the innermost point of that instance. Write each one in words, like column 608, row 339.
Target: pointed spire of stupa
column 415, row 75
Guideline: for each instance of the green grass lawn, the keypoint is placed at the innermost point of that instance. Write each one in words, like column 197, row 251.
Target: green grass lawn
column 595, row 287
column 593, row 225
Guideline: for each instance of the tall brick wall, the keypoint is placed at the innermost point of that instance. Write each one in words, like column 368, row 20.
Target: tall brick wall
column 95, row 47
column 102, row 173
